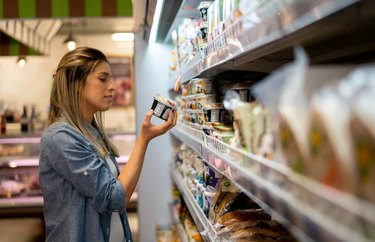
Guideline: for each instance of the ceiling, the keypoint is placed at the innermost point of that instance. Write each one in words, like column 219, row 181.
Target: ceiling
column 91, row 26
column 47, row 28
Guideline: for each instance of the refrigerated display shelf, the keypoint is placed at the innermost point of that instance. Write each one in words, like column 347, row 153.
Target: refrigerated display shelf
column 266, row 26
column 310, row 210
column 203, row 224
column 34, row 161
column 179, row 226
column 21, row 202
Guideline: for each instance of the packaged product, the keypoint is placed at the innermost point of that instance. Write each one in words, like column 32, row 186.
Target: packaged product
column 162, row 106
column 362, row 130
column 215, row 112
column 185, row 89
column 223, row 199
column 241, row 113
column 331, row 156
column 202, row 7
column 243, row 90
column 203, row 100
column 222, row 132
column 268, row 230
column 286, row 94
column 192, row 230
column 239, row 215
column 207, row 128
column 194, row 116
column 266, row 144
column 283, row 95
column 202, row 85
column 211, row 177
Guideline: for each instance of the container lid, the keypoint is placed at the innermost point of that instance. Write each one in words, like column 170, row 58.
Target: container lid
column 214, row 106
column 166, row 101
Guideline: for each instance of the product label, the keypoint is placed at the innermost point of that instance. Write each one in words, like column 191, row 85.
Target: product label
column 158, row 110
column 215, row 116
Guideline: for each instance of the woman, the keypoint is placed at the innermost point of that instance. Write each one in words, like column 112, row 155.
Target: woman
column 79, row 176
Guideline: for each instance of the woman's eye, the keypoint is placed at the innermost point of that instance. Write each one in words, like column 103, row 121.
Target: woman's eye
column 103, row 79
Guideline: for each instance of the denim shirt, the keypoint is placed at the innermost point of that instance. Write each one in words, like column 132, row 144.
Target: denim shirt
column 79, row 190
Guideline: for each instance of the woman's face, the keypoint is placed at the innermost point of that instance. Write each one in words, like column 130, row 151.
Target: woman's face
column 98, row 91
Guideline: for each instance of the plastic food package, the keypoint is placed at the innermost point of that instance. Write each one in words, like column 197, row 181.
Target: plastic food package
column 215, row 112
column 283, row 95
column 222, row 132
column 286, row 95
column 223, row 199
column 203, row 100
column 162, row 106
column 361, row 85
column 202, row 85
column 238, row 216
column 331, row 156
column 243, row 90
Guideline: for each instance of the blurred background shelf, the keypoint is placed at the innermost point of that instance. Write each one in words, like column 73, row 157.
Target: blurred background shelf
column 310, row 210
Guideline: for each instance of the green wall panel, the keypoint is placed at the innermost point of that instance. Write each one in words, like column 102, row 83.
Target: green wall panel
column 1, row 9
column 27, row 8
column 93, row 8
column 14, row 47
column 60, row 8
column 124, row 8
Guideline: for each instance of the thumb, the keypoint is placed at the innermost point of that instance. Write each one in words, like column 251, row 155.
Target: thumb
column 148, row 116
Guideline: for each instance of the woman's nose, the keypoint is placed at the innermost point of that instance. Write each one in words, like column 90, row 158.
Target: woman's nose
column 112, row 86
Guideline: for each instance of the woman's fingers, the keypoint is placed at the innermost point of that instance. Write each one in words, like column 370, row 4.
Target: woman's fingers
column 148, row 116
column 171, row 118
column 175, row 118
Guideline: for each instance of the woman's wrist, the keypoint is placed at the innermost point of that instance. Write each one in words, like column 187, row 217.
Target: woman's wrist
column 144, row 140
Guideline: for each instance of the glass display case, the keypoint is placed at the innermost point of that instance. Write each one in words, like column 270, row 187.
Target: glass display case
column 19, row 182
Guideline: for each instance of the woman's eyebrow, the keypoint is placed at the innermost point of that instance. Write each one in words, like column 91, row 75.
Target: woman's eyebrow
column 104, row 73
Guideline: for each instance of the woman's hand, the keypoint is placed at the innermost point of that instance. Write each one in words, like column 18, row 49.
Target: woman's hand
column 150, row 131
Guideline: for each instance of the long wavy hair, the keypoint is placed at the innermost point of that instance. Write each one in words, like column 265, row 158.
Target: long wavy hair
column 69, row 81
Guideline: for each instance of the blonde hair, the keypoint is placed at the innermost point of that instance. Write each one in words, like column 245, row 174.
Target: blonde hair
column 69, row 81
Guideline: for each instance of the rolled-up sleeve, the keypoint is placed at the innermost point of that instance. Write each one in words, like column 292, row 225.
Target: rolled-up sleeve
column 75, row 159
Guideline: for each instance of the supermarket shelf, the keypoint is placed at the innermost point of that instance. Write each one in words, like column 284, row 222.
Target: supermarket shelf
column 34, row 161
column 21, row 202
column 310, row 210
column 204, row 226
column 180, row 228
column 275, row 25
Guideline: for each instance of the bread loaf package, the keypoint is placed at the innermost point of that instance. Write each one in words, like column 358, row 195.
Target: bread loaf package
column 239, row 216
column 330, row 151
column 362, row 130
column 223, row 199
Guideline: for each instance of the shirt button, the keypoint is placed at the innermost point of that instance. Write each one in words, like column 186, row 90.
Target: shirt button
column 85, row 173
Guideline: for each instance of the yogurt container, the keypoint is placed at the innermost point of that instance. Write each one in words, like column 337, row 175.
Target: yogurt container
column 202, row 85
column 162, row 106
column 243, row 90
column 215, row 112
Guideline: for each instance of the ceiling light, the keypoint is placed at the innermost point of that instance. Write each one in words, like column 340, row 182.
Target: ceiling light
column 123, row 37
column 21, row 61
column 70, row 42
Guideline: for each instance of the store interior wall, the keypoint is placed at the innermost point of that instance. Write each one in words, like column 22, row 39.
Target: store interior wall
column 151, row 77
column 32, row 84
